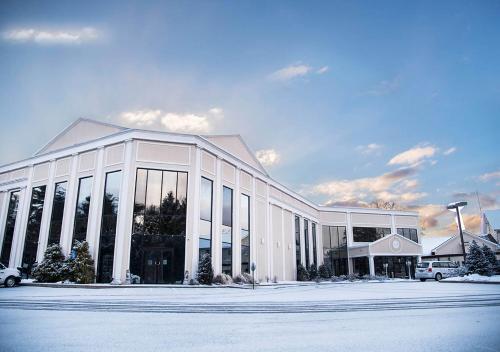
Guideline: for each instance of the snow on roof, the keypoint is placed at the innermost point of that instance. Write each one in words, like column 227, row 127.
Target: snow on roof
column 431, row 242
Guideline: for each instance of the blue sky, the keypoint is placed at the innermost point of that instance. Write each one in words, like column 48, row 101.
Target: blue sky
column 347, row 102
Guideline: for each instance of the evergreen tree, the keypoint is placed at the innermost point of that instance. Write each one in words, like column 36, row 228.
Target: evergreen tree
column 476, row 261
column 52, row 268
column 313, row 272
column 205, row 274
column 489, row 255
column 81, row 268
column 324, row 272
column 302, row 274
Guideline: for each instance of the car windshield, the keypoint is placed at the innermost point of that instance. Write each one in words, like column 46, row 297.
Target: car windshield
column 423, row 265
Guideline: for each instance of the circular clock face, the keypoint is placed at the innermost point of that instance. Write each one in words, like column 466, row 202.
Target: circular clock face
column 396, row 245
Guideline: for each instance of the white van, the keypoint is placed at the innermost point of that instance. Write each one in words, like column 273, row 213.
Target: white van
column 435, row 270
column 9, row 277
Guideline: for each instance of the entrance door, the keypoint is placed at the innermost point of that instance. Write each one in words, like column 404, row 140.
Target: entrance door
column 158, row 266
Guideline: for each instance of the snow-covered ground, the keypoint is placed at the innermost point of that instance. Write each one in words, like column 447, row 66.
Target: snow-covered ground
column 475, row 278
column 400, row 316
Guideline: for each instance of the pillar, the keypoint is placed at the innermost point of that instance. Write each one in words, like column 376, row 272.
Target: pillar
column 371, row 265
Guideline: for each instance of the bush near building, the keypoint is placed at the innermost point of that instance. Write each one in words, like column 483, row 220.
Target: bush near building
column 205, row 274
column 302, row 274
column 81, row 268
column 313, row 272
column 477, row 262
column 53, row 267
column 324, row 272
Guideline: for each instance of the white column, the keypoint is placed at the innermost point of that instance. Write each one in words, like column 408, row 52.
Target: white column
column 393, row 225
column 371, row 264
column 69, row 207
column 217, row 220
column 253, row 233
column 268, row 236
column 309, row 235
column 294, row 249
column 302, row 242
column 47, row 212
column 125, row 215
column 195, row 186
column 95, row 211
column 22, row 219
column 236, row 227
column 4, row 206
column 283, row 244
column 349, row 242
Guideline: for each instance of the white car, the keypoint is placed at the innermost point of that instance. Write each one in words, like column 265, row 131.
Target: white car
column 8, row 276
column 435, row 270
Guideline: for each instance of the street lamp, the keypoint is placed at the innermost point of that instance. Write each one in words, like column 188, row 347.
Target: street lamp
column 456, row 206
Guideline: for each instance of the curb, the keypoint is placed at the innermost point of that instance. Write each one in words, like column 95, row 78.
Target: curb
column 471, row 282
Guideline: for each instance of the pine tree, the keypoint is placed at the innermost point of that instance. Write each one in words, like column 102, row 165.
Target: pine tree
column 51, row 269
column 81, row 268
column 324, row 272
column 205, row 274
column 476, row 261
column 489, row 255
column 313, row 272
column 302, row 274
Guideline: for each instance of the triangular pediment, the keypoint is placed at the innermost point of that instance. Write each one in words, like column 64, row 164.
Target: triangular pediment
column 395, row 244
column 80, row 131
column 235, row 145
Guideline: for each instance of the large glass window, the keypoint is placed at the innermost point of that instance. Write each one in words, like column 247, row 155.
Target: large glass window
column 9, row 227
column 82, row 209
column 206, row 199
column 56, row 217
column 297, row 241
column 108, row 227
column 369, row 234
column 159, row 230
column 227, row 231
column 409, row 233
column 33, row 228
column 395, row 267
column 306, row 241
column 315, row 250
column 245, row 233
column 335, row 249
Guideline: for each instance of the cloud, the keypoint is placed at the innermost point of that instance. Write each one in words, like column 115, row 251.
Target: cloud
column 216, row 112
column 322, row 70
column 268, row 157
column 450, row 151
column 385, row 87
column 63, row 37
column 490, row 176
column 141, row 117
column 396, row 186
column 414, row 155
column 185, row 123
column 290, row 72
column 368, row 149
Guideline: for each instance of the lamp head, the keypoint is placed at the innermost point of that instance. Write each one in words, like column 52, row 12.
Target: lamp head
column 456, row 205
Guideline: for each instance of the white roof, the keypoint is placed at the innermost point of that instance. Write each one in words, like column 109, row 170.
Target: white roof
column 431, row 242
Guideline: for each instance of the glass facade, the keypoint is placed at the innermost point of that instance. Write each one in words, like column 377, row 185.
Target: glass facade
column 361, row 266
column 306, row 241
column 408, row 233
column 369, row 234
column 206, row 201
column 82, row 209
column 159, row 229
column 335, row 249
column 397, row 266
column 227, row 231
column 315, row 250
column 245, row 233
column 297, row 241
column 56, row 217
column 108, row 227
column 10, row 224
column 33, row 229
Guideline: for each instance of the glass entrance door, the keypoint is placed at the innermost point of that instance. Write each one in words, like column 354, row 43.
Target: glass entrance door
column 158, row 266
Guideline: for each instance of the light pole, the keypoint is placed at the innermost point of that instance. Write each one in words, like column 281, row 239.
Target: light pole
column 456, row 206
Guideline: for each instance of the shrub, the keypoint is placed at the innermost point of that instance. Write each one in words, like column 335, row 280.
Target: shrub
column 81, row 268
column 53, row 267
column 324, row 272
column 205, row 274
column 313, row 272
column 489, row 255
column 223, row 279
column 243, row 278
column 476, row 262
column 302, row 274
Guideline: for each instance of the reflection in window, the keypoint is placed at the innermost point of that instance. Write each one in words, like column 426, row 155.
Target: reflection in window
column 306, row 241
column 159, row 229
column 227, row 231
column 297, row 241
column 409, row 233
column 245, row 233
column 82, row 209
column 369, row 234
column 33, row 228
column 57, row 213
column 335, row 249
column 315, row 250
column 9, row 228
column 108, row 227
column 205, row 244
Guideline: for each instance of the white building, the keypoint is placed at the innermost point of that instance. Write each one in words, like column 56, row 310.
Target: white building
column 153, row 202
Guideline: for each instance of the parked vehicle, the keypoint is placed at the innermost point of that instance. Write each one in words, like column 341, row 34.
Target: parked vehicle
column 436, row 270
column 8, row 276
